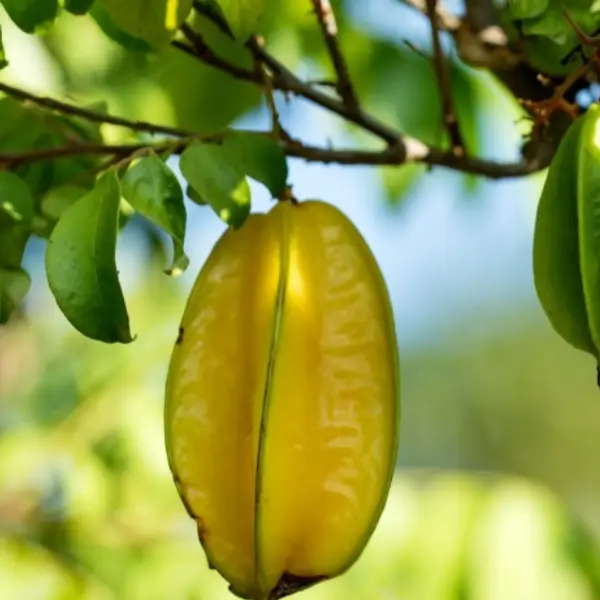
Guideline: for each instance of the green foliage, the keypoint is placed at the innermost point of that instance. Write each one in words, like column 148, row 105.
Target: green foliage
column 54, row 203
column 548, row 36
column 3, row 61
column 78, row 7
column 243, row 16
column 104, row 20
column 154, row 21
column 259, row 157
column 80, row 261
column 527, row 9
column 153, row 190
column 16, row 201
column 136, row 72
column 14, row 285
column 222, row 183
column 32, row 16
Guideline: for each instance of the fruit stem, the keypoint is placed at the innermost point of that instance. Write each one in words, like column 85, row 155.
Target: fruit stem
column 287, row 196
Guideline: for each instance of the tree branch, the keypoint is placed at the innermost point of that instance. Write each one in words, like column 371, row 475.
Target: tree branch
column 409, row 152
column 397, row 156
column 326, row 18
column 444, row 85
column 89, row 115
column 18, row 159
column 400, row 149
column 200, row 50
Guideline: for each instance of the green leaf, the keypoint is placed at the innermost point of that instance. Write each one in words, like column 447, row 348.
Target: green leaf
column 154, row 191
column 19, row 127
column 53, row 204
column 32, row 16
column 399, row 181
column 154, row 21
column 39, row 174
column 259, row 157
column 81, row 267
column 526, row 9
column 87, row 130
column 114, row 32
column 226, row 98
column 14, row 285
column 24, row 128
column 56, row 201
column 13, row 240
column 194, row 196
column 78, row 7
column 208, row 168
column 556, row 268
column 3, row 61
column 467, row 101
column 551, row 23
column 243, row 16
column 16, row 200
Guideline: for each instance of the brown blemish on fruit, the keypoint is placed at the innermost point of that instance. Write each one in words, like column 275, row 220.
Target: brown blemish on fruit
column 202, row 531
column 290, row 584
column 184, row 501
column 179, row 337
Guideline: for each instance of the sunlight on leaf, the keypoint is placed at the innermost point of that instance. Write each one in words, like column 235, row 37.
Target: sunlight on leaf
column 217, row 179
column 154, row 191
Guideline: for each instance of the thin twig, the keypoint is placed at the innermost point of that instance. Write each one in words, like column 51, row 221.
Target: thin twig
column 286, row 81
column 326, row 18
column 445, row 20
column 444, row 84
column 200, row 50
column 89, row 115
column 17, row 159
column 12, row 160
column 277, row 129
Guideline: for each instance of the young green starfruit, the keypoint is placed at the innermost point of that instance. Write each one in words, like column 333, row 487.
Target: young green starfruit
column 566, row 250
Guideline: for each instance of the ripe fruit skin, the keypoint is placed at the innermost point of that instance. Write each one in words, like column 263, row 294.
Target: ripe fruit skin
column 282, row 400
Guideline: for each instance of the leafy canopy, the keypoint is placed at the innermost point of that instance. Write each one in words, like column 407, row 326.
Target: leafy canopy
column 179, row 73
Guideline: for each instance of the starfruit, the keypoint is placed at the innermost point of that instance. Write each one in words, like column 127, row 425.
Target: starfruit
column 282, row 400
column 566, row 250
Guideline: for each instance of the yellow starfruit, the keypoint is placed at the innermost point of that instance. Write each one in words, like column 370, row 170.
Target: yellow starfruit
column 282, row 400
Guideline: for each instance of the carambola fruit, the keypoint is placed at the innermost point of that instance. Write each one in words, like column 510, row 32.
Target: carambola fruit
column 282, row 400
column 566, row 251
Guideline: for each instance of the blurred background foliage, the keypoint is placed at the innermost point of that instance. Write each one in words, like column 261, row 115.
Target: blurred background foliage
column 497, row 488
